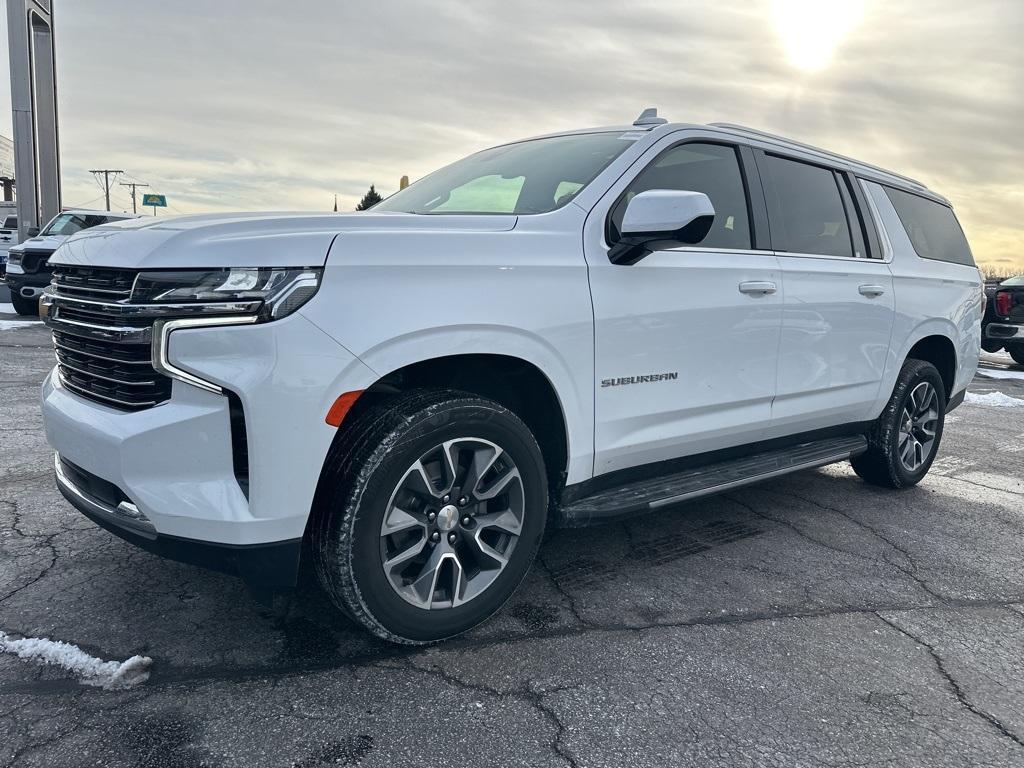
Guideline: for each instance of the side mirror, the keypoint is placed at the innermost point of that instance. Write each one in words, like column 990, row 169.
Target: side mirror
column 662, row 216
column 32, row 231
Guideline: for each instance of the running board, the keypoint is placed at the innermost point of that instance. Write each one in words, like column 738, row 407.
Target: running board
column 648, row 495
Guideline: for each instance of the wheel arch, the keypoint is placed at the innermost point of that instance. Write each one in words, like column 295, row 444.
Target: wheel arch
column 939, row 350
column 517, row 384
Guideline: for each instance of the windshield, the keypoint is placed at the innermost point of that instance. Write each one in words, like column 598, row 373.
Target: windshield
column 533, row 176
column 69, row 223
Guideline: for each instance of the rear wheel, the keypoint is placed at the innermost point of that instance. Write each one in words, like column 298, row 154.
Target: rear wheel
column 1017, row 353
column 24, row 306
column 905, row 439
column 429, row 515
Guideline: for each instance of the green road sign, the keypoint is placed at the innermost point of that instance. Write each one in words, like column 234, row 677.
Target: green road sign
column 157, row 201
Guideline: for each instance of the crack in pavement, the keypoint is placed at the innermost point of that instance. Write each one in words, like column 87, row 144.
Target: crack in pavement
column 525, row 694
column 563, row 592
column 910, row 572
column 46, row 541
column 167, row 675
column 958, row 691
column 980, row 485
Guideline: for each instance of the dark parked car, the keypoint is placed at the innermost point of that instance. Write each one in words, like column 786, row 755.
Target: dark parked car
column 1003, row 324
column 28, row 272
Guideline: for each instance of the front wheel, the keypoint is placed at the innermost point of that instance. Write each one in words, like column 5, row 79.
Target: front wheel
column 429, row 514
column 905, row 438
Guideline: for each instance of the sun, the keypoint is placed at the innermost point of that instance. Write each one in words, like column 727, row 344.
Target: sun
column 811, row 30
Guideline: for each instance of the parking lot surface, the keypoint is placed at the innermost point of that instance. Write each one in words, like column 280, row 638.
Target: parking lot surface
column 808, row 621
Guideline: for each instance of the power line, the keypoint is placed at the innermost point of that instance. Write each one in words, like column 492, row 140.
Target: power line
column 87, row 203
column 106, row 181
column 133, row 185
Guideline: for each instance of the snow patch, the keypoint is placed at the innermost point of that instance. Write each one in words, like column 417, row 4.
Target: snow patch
column 8, row 309
column 10, row 325
column 994, row 399
column 1000, row 373
column 109, row 675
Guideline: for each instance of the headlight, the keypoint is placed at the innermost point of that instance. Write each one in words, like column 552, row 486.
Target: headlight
column 282, row 290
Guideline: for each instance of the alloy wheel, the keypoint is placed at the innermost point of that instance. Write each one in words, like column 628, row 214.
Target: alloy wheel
column 918, row 425
column 452, row 523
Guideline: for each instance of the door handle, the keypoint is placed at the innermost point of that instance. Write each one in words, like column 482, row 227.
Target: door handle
column 871, row 291
column 758, row 287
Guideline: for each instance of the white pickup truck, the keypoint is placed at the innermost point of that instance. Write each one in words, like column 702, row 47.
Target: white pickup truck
column 8, row 236
column 559, row 331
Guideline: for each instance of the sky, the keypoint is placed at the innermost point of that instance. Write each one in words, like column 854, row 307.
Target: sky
column 258, row 105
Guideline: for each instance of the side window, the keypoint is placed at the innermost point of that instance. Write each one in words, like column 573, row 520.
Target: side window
column 932, row 228
column 713, row 169
column 811, row 207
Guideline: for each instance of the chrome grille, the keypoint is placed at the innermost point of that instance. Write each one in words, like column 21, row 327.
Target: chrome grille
column 103, row 345
column 106, row 344
column 94, row 283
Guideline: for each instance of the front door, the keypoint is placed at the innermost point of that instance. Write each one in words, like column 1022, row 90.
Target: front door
column 687, row 339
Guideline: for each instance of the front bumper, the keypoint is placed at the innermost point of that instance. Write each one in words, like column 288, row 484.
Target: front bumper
column 17, row 280
column 269, row 567
column 1004, row 332
column 175, row 462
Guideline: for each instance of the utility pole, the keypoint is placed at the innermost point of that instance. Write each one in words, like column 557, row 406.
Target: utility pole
column 133, row 185
column 106, row 181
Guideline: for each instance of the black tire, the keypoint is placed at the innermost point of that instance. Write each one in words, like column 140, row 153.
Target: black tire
column 1017, row 353
column 366, row 465
column 881, row 463
column 24, row 306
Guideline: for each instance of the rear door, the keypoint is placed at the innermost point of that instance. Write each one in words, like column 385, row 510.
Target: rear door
column 838, row 314
column 685, row 339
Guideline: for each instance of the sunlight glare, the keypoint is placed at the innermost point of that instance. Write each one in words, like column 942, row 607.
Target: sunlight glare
column 811, row 30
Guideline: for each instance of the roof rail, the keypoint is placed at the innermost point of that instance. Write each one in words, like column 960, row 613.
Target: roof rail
column 819, row 150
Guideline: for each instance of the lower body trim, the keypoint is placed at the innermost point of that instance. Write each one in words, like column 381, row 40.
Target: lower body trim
column 263, row 567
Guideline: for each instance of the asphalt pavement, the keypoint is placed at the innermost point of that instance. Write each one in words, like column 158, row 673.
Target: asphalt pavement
column 809, row 621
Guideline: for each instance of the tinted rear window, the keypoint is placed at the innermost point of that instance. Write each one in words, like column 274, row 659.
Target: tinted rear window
column 813, row 214
column 932, row 228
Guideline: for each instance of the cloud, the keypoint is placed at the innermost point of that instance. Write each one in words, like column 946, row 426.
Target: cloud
column 258, row 105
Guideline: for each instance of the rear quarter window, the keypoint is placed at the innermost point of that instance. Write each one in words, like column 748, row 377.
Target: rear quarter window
column 932, row 228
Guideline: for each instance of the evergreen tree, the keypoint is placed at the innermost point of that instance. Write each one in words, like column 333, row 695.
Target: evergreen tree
column 369, row 200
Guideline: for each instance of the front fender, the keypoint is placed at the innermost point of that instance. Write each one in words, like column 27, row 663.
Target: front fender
column 398, row 298
column 431, row 343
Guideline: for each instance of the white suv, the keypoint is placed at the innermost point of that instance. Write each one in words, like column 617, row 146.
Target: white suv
column 564, row 330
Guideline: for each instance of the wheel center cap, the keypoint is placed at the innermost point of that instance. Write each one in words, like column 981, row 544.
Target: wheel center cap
column 447, row 517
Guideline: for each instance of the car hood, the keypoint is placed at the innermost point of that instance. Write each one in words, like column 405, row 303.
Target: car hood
column 244, row 239
column 40, row 243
